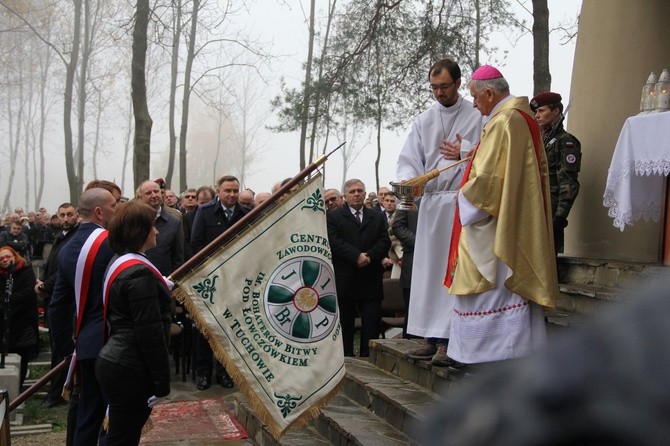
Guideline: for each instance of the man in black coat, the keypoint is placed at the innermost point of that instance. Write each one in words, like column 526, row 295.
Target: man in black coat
column 69, row 219
column 168, row 254
column 404, row 228
column 211, row 220
column 359, row 241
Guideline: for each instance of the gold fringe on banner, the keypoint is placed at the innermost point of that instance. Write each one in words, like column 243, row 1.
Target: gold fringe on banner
column 221, row 354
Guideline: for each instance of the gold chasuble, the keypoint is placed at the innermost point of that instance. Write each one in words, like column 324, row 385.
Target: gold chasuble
column 508, row 180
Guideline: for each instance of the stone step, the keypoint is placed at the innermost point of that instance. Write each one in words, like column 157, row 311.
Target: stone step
column 401, row 403
column 343, row 422
column 302, row 436
column 607, row 273
column 389, row 356
column 19, row 431
column 586, row 300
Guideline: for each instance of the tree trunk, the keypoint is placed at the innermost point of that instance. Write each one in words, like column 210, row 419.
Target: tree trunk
column 190, row 55
column 98, row 125
column 317, row 93
column 143, row 122
column 71, row 68
column 307, row 87
column 126, row 144
column 541, row 74
column 28, row 129
column 478, row 32
column 174, row 71
column 82, row 97
column 43, row 95
column 14, row 138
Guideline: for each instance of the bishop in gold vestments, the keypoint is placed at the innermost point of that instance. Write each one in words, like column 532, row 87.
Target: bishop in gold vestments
column 505, row 269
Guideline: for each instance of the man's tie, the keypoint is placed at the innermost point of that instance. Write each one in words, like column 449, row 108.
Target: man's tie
column 358, row 217
column 229, row 214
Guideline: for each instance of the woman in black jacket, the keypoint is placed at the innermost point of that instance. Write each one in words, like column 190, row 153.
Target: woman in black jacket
column 18, row 307
column 133, row 367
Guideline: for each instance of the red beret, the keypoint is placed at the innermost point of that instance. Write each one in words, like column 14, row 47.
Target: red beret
column 546, row 98
column 161, row 182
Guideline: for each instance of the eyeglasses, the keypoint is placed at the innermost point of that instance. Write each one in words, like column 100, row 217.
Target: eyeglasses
column 443, row 87
column 190, row 196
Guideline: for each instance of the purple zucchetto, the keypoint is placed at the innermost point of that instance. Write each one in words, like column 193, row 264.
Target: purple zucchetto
column 486, row 72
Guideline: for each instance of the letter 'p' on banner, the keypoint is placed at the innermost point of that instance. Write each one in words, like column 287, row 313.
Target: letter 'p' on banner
column 266, row 301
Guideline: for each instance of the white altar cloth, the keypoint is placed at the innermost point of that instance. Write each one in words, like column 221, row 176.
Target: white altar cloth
column 640, row 162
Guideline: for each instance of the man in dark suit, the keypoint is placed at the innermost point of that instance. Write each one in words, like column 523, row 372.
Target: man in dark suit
column 79, row 263
column 211, row 220
column 168, row 254
column 203, row 195
column 44, row 287
column 359, row 241
column 404, row 229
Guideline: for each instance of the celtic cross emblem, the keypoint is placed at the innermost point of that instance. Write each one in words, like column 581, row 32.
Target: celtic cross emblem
column 206, row 289
column 286, row 403
column 315, row 202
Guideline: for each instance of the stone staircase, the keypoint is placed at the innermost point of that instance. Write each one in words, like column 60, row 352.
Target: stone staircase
column 587, row 286
column 386, row 399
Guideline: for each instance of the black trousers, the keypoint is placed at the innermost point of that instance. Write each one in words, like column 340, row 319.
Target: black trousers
column 127, row 391
column 91, row 406
column 371, row 318
column 204, row 359
column 559, row 239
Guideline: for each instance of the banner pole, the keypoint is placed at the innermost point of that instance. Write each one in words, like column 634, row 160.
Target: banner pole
column 248, row 218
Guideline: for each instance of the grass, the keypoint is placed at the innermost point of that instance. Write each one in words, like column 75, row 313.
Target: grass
column 36, row 413
column 38, row 371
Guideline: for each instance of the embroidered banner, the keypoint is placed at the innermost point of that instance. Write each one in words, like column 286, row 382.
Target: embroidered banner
column 267, row 303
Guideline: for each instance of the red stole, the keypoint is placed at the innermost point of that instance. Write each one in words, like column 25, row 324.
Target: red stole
column 456, row 229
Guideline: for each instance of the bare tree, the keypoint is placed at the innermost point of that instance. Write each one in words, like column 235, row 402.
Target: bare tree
column 190, row 56
column 306, row 98
column 247, row 124
column 176, row 6
column 143, row 121
column 68, row 95
column 541, row 74
column 44, row 107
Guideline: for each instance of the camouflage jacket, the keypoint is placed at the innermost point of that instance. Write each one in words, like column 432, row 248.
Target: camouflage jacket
column 564, row 157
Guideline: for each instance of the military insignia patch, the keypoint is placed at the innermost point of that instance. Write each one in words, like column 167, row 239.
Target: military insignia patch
column 571, row 159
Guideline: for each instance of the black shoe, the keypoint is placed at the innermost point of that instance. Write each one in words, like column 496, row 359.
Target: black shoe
column 204, row 383
column 458, row 368
column 225, row 381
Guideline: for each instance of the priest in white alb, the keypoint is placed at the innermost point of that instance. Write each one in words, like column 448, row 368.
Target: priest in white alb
column 427, row 148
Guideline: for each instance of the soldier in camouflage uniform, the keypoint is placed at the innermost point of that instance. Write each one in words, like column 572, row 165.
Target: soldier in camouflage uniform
column 564, row 157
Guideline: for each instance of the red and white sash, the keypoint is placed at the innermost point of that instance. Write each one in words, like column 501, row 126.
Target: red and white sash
column 82, row 282
column 116, row 268
column 82, row 275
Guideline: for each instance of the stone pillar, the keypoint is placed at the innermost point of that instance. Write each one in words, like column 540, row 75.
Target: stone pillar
column 619, row 43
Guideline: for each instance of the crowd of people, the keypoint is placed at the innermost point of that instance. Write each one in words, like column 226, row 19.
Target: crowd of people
column 129, row 247
column 476, row 261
